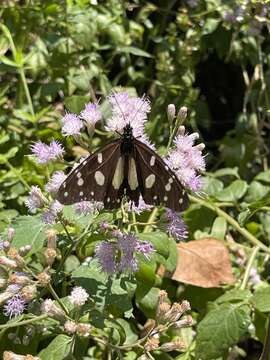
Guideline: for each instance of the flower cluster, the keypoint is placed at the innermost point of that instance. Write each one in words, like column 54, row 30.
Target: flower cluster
column 176, row 227
column 120, row 255
column 35, row 199
column 45, row 153
column 167, row 316
column 186, row 159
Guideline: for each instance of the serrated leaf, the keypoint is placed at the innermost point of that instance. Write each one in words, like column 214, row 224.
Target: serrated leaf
column 261, row 299
column 29, row 230
column 220, row 329
column 235, row 191
column 57, row 349
column 234, row 295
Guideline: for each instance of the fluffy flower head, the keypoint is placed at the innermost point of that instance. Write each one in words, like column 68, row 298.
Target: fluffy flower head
column 35, row 199
column 128, row 110
column 55, row 182
column 71, row 125
column 91, row 114
column 14, row 306
column 176, row 227
column 45, row 153
column 78, row 296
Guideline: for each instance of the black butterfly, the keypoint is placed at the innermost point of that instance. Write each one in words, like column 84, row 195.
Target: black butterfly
column 124, row 167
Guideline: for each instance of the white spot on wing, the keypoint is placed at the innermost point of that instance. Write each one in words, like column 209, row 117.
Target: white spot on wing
column 168, row 187
column 64, row 185
column 132, row 175
column 80, row 182
column 100, row 178
column 150, row 180
column 155, row 197
column 165, row 198
column 118, row 174
column 99, row 158
column 180, row 200
column 152, row 160
column 92, row 193
column 81, row 193
column 65, row 194
column 170, row 180
column 79, row 175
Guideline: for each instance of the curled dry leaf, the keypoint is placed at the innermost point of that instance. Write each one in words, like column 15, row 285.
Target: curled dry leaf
column 205, row 263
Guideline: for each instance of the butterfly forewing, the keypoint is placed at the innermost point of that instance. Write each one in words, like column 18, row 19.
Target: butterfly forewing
column 92, row 179
column 158, row 184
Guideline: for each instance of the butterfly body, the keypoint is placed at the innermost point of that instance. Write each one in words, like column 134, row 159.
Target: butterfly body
column 124, row 167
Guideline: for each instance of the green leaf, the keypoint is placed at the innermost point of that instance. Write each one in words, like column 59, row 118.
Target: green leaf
column 235, row 191
column 219, row 228
column 220, row 329
column 8, row 155
column 263, row 176
column 57, row 349
column 210, row 26
column 234, row 295
column 108, row 292
column 29, row 230
column 76, row 103
column 134, row 51
column 226, row 172
column 256, row 191
column 211, row 186
column 261, row 299
column 148, row 303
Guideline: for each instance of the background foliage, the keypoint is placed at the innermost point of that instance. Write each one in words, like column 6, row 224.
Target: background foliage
column 212, row 56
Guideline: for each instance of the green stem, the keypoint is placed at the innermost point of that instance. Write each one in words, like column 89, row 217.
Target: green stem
column 266, row 349
column 248, row 267
column 231, row 221
column 24, row 322
column 26, row 89
column 151, row 219
column 52, row 291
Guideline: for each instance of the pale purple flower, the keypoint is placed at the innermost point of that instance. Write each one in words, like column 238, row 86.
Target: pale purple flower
column 128, row 110
column 127, row 246
column 14, row 306
column 78, row 296
column 186, row 160
column 91, row 114
column 55, row 182
column 145, row 248
column 138, row 209
column 45, row 153
column 105, row 253
column 254, row 277
column 49, row 216
column 88, row 207
column 71, row 125
column 176, row 227
column 35, row 199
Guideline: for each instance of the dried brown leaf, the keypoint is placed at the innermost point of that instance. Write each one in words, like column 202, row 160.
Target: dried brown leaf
column 205, row 263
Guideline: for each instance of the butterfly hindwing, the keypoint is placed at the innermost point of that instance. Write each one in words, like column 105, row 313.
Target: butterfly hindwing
column 157, row 183
column 91, row 180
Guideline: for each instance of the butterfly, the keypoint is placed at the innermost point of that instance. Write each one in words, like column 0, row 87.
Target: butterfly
column 126, row 167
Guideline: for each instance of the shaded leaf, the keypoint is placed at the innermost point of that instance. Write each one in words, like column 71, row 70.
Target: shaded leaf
column 57, row 349
column 261, row 299
column 204, row 263
column 220, row 329
column 233, row 192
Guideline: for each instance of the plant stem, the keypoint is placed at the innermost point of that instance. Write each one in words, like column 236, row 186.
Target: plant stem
column 266, row 349
column 12, row 168
column 151, row 219
column 248, row 267
column 24, row 322
column 26, row 89
column 52, row 291
column 251, row 238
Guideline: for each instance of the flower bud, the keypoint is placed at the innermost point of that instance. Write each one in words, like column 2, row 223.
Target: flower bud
column 172, row 345
column 20, row 278
column 174, row 313
column 186, row 322
column 161, row 311
column 6, row 246
column 50, row 255
column 14, row 255
column 24, row 250
column 171, row 112
column 10, row 234
column 182, row 114
column 151, row 344
column 8, row 262
column 49, row 308
column 29, row 292
column 70, row 327
column 51, row 238
column 83, row 329
column 43, row 278
column 148, row 327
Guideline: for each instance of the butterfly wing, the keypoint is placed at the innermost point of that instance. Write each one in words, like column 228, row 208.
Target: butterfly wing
column 157, row 182
column 92, row 179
